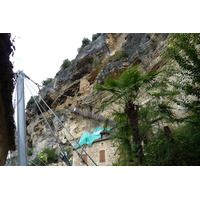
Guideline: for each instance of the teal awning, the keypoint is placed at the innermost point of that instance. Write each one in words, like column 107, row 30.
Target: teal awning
column 89, row 138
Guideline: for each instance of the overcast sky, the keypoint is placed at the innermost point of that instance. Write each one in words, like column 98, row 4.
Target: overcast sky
column 47, row 32
column 41, row 54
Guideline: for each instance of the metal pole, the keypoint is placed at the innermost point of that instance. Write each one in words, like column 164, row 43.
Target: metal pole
column 21, row 122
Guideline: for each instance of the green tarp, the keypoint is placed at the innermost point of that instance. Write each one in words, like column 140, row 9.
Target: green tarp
column 89, row 138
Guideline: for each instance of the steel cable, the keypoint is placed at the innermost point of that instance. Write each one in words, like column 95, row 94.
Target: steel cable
column 49, row 126
column 66, row 129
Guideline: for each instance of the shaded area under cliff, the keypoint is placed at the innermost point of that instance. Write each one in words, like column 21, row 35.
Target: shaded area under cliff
column 7, row 127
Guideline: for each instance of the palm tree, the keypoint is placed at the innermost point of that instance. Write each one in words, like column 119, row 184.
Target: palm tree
column 126, row 91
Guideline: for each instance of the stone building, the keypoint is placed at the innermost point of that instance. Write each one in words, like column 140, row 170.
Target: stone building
column 100, row 150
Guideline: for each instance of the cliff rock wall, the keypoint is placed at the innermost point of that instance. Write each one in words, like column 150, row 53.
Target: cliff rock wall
column 73, row 99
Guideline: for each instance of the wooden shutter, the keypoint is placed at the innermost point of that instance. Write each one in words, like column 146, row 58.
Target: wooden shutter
column 102, row 156
column 84, row 157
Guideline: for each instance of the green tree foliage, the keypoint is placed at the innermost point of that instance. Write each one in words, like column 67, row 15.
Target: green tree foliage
column 184, row 149
column 159, row 151
column 120, row 55
column 122, row 139
column 52, row 157
column 85, row 42
column 152, row 116
column 66, row 63
column 183, row 49
column 95, row 36
column 126, row 92
column 184, row 54
column 30, row 152
column 145, row 122
column 47, row 81
column 128, row 86
column 47, row 156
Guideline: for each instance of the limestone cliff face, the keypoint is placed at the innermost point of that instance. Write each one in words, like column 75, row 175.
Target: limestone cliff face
column 7, row 127
column 71, row 94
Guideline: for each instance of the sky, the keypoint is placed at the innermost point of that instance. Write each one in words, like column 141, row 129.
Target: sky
column 40, row 54
column 48, row 32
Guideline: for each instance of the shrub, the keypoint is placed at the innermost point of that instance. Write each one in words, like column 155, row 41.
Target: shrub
column 66, row 63
column 52, row 157
column 43, row 157
column 85, row 42
column 182, row 150
column 160, row 152
column 29, row 152
column 120, row 55
column 95, row 36
column 47, row 156
column 47, row 81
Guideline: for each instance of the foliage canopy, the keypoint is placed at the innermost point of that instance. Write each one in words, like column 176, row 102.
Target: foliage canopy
column 47, row 81
column 184, row 49
column 127, row 92
column 95, row 36
column 85, row 42
column 47, row 156
column 66, row 63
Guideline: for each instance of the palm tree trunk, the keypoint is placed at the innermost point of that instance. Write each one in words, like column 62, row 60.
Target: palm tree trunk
column 132, row 112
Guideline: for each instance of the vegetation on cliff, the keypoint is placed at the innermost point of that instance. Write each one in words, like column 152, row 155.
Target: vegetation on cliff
column 47, row 156
column 95, row 36
column 47, row 81
column 66, row 63
column 136, row 119
column 144, row 101
column 178, row 145
column 85, row 42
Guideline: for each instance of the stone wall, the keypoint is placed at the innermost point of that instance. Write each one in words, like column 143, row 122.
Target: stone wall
column 94, row 153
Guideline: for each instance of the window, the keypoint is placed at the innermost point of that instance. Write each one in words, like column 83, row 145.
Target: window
column 102, row 156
